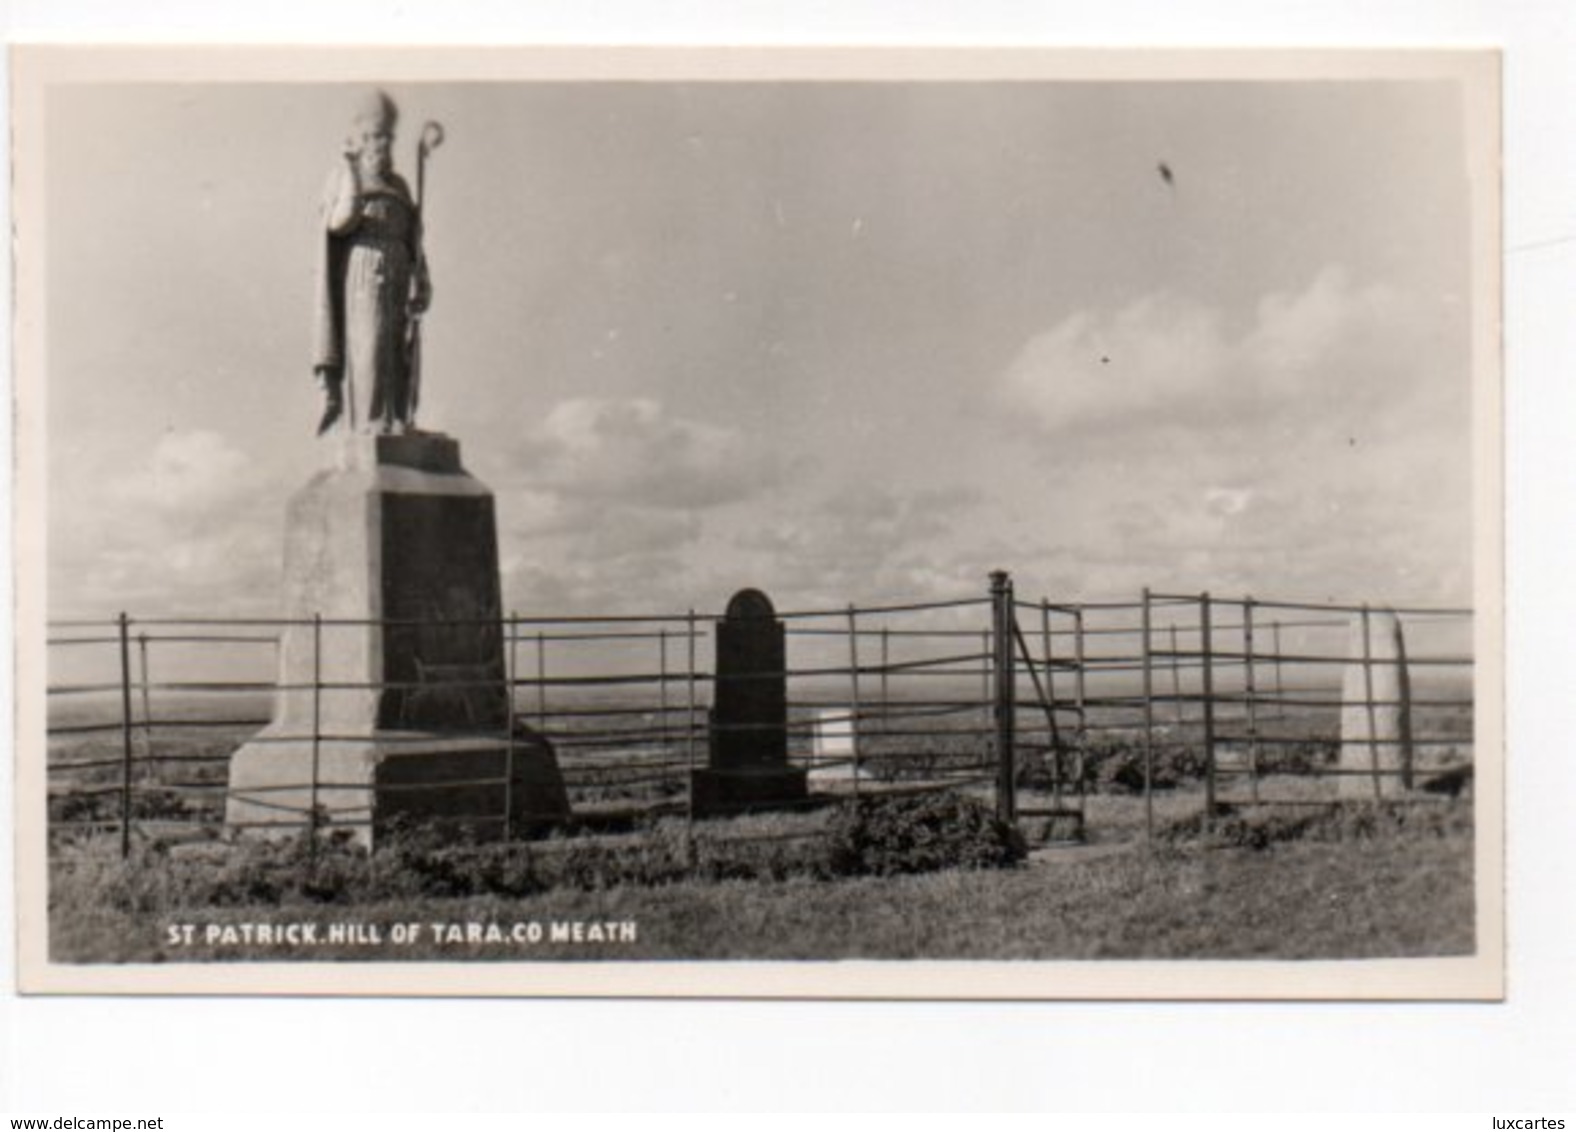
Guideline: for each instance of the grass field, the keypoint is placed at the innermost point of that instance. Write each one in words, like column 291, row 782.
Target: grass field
column 1331, row 889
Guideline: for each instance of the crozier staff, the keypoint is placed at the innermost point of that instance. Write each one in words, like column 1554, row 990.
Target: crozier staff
column 372, row 279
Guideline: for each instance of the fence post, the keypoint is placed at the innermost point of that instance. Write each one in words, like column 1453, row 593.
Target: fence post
column 1080, row 698
column 317, row 727
column 1178, row 705
column 147, row 700
column 1149, row 720
column 1207, row 652
column 1001, row 601
column 689, row 752
column 1050, row 695
column 508, row 723
column 853, row 673
column 125, row 721
column 886, row 661
column 1280, row 683
column 662, row 690
column 1368, row 699
column 541, row 680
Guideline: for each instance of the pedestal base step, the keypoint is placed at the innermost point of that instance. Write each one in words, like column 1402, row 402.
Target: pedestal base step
column 723, row 793
column 483, row 783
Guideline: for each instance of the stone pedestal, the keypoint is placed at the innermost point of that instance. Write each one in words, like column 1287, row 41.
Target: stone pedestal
column 747, row 763
column 1376, row 713
column 392, row 693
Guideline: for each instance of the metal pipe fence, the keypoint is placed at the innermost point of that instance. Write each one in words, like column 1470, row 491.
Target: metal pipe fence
column 1241, row 700
column 622, row 700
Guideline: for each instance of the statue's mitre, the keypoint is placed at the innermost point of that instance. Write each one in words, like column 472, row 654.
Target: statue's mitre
column 377, row 110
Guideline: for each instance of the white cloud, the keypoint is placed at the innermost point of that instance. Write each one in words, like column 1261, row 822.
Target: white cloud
column 164, row 563
column 612, row 501
column 1294, row 334
column 632, row 451
column 191, row 527
column 1166, row 357
column 1319, row 448
column 865, row 544
column 187, row 471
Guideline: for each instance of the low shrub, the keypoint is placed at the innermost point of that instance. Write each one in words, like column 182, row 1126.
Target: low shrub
column 1305, row 756
column 148, row 803
column 333, row 871
column 1114, row 763
column 646, row 861
column 1357, row 821
column 1262, row 827
column 1116, row 766
column 879, row 836
column 1258, row 829
column 887, row 835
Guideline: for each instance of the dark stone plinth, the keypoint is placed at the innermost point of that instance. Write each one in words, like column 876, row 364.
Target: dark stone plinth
column 747, row 762
column 394, row 651
column 721, row 793
column 395, row 546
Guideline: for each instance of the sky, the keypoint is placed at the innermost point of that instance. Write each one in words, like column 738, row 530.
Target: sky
column 845, row 342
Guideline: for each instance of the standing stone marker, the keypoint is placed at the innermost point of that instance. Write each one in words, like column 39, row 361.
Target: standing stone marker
column 747, row 764
column 833, row 745
column 392, row 696
column 1376, row 717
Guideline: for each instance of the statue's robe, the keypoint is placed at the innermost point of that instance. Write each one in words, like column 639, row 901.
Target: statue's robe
column 365, row 280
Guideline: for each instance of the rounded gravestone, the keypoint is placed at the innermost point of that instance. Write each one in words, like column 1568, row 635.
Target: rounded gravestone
column 750, row 605
column 747, row 764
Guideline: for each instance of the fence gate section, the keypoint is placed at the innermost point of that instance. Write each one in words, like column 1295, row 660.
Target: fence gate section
column 1042, row 713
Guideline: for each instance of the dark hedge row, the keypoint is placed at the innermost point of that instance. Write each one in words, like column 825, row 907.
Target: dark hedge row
column 860, row 837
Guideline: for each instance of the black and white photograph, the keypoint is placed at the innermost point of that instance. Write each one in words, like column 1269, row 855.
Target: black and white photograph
column 935, row 524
